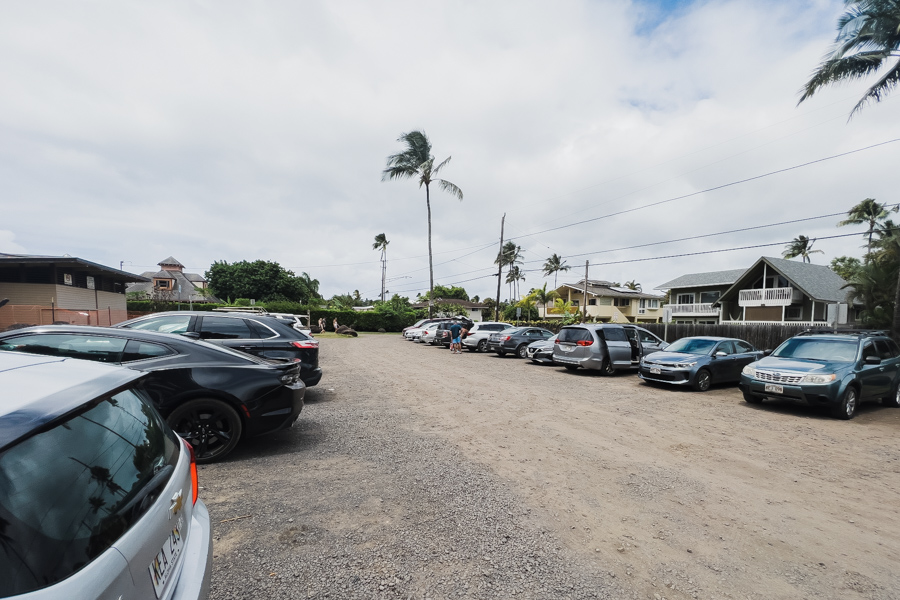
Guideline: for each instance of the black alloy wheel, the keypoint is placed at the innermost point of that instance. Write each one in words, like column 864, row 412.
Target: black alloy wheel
column 702, row 381
column 210, row 426
column 606, row 368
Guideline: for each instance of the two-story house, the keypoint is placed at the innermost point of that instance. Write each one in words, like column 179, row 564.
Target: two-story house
column 608, row 303
column 693, row 297
column 173, row 284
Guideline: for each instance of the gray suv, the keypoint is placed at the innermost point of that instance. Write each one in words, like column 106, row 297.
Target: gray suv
column 604, row 347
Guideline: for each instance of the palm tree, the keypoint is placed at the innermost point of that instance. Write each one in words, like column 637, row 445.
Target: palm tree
column 553, row 266
column 868, row 35
column 800, row 246
column 381, row 243
column 870, row 213
column 633, row 285
column 416, row 161
column 513, row 277
column 543, row 296
column 509, row 256
column 873, row 284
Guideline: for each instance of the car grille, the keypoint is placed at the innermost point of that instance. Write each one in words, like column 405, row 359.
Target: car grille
column 775, row 377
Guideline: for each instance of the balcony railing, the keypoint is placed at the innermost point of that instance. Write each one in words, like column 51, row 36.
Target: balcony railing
column 706, row 310
column 768, row 297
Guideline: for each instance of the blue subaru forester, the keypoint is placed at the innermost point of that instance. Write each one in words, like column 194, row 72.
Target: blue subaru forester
column 832, row 370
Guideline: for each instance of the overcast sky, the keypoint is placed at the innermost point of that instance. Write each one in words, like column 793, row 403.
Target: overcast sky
column 213, row 130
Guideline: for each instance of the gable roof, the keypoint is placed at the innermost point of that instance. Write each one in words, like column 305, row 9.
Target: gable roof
column 170, row 262
column 692, row 280
column 818, row 282
column 599, row 288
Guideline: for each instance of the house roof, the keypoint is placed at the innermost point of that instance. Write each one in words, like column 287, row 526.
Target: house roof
column 187, row 292
column 693, row 280
column 605, row 288
column 194, row 277
column 170, row 262
column 69, row 261
column 817, row 281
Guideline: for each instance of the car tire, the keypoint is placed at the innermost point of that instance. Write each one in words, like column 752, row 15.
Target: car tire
column 846, row 408
column 211, row 427
column 752, row 398
column 893, row 401
column 606, row 368
column 571, row 367
column 702, row 381
column 522, row 351
column 482, row 345
column 501, row 353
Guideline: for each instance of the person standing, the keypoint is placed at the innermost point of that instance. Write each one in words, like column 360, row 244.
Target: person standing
column 455, row 340
column 335, row 324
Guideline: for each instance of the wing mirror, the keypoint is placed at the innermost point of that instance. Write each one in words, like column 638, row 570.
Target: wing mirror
column 720, row 353
column 873, row 360
column 767, row 352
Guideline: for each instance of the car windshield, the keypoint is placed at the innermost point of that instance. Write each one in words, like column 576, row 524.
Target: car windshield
column 692, row 346
column 818, row 349
column 513, row 330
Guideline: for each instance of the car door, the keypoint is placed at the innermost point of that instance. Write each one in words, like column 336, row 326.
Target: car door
column 744, row 354
column 618, row 345
column 722, row 366
column 649, row 342
column 873, row 379
column 233, row 332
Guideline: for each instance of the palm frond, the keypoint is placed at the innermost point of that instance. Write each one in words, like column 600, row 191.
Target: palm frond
column 884, row 85
column 450, row 188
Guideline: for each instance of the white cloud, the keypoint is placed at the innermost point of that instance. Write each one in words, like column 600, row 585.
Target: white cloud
column 230, row 131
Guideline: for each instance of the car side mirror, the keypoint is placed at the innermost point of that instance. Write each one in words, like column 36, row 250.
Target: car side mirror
column 873, row 360
column 767, row 352
column 721, row 353
column 191, row 334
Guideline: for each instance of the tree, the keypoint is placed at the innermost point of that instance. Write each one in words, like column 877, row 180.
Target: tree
column 633, row 285
column 513, row 277
column 868, row 35
column 553, row 266
column 510, row 256
column 443, row 292
column 845, row 266
column 873, row 284
column 800, row 246
column 543, row 296
column 870, row 213
column 260, row 280
column 416, row 161
column 381, row 243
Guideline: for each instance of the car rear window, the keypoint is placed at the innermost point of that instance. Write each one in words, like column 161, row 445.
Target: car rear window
column 69, row 492
column 574, row 334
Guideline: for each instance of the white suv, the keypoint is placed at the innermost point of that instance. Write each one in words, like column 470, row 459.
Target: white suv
column 476, row 340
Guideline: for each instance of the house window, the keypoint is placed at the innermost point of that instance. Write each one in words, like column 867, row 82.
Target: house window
column 772, row 281
column 605, row 301
column 621, row 301
column 574, row 302
column 793, row 313
column 709, row 297
column 592, row 302
column 649, row 303
column 162, row 284
column 685, row 299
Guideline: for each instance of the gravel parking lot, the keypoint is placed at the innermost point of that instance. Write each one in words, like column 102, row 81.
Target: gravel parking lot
column 414, row 473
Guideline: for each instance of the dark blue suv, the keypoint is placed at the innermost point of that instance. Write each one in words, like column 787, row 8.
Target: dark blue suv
column 833, row 370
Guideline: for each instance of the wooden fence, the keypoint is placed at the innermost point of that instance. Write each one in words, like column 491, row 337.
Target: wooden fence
column 765, row 336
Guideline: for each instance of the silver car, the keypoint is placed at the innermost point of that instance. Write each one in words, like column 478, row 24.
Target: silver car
column 98, row 496
column 604, row 347
column 477, row 338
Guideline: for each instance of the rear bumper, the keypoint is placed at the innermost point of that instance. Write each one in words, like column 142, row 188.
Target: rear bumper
column 586, row 363
column 312, row 376
column 193, row 581
column 278, row 411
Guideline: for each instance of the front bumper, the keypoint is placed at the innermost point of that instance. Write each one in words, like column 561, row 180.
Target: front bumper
column 810, row 394
column 666, row 375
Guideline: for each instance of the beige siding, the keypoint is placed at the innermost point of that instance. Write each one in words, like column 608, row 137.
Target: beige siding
column 65, row 296
column 28, row 293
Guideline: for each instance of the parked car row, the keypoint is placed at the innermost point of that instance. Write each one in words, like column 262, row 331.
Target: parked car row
column 835, row 370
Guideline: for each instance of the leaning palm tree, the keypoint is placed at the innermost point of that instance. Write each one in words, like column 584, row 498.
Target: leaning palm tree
column 800, row 246
column 868, row 36
column 416, row 161
column 870, row 213
column 381, row 243
column 553, row 266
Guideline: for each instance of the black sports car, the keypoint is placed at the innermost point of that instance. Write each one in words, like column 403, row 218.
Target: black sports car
column 258, row 334
column 210, row 395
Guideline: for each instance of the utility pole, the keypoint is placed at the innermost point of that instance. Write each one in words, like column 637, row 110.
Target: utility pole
column 584, row 308
column 499, row 269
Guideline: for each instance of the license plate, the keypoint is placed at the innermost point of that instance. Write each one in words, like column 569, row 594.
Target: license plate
column 163, row 565
column 654, row 370
column 775, row 389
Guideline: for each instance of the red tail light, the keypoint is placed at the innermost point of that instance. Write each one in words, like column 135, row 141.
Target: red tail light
column 584, row 342
column 509, row 337
column 556, row 341
column 195, row 484
column 306, row 344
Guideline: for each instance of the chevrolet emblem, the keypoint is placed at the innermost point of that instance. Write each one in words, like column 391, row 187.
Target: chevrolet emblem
column 177, row 503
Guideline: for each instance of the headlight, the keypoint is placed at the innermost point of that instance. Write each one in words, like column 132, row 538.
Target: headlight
column 819, row 378
column 685, row 365
column 749, row 371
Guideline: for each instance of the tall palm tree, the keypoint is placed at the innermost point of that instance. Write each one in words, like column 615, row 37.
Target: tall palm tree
column 800, row 246
column 868, row 35
column 513, row 277
column 510, row 256
column 870, row 213
column 381, row 243
column 416, row 161
column 543, row 296
column 553, row 266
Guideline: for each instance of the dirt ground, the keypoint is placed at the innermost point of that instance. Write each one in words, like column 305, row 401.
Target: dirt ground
column 673, row 493
column 667, row 486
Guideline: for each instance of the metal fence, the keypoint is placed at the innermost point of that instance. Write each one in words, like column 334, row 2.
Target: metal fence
column 18, row 315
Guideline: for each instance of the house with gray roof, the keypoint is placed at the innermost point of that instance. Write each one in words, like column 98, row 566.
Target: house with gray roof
column 693, row 297
column 779, row 290
column 606, row 302
column 173, row 284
